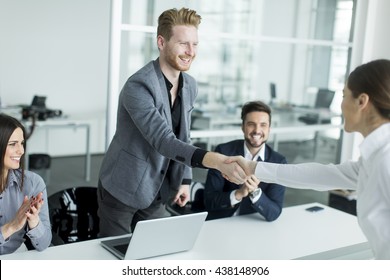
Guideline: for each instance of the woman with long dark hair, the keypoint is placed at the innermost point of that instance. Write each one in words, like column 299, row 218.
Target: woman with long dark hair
column 23, row 199
column 366, row 109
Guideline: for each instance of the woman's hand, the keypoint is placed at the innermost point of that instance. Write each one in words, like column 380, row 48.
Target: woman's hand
column 19, row 221
column 33, row 213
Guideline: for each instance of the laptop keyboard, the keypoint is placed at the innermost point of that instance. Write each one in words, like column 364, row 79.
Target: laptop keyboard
column 122, row 245
column 122, row 248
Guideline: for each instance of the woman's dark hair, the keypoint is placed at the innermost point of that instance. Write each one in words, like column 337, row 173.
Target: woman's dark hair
column 373, row 78
column 255, row 106
column 8, row 125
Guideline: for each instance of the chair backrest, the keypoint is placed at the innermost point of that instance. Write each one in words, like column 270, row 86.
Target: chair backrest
column 195, row 186
column 73, row 214
column 324, row 98
column 87, row 218
column 195, row 204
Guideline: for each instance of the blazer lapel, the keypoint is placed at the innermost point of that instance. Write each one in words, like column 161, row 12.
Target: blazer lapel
column 266, row 153
column 239, row 149
column 184, row 121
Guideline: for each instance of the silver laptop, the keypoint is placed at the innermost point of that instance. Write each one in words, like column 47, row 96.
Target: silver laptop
column 158, row 237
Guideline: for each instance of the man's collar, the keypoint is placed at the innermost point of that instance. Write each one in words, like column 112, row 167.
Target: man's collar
column 169, row 84
column 260, row 153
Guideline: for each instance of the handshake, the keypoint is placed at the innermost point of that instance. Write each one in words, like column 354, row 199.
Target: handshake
column 235, row 169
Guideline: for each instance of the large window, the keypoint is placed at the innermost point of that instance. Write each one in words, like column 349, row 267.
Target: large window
column 298, row 45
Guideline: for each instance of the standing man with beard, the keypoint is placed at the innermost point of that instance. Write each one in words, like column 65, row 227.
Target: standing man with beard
column 225, row 199
column 149, row 160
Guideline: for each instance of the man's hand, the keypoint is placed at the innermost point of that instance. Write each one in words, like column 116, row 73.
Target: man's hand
column 242, row 192
column 230, row 170
column 250, row 185
column 182, row 196
column 249, row 166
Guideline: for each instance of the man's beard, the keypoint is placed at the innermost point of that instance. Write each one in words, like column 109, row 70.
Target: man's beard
column 172, row 61
column 255, row 145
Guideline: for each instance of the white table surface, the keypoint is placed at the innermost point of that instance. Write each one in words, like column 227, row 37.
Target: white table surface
column 297, row 233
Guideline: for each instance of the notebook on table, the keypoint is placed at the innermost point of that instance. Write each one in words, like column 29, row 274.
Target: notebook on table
column 158, row 237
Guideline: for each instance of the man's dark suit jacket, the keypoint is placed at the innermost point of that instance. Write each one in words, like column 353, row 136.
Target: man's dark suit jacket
column 217, row 189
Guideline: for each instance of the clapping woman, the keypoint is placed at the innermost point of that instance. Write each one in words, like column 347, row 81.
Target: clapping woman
column 23, row 200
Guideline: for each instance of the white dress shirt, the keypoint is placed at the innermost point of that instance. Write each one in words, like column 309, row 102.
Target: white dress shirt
column 247, row 155
column 369, row 176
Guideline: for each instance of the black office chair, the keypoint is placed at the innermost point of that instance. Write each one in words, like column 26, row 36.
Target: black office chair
column 342, row 202
column 40, row 164
column 196, row 203
column 73, row 214
column 324, row 99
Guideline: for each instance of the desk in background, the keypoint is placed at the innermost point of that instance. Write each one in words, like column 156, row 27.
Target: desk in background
column 58, row 123
column 281, row 117
column 213, row 128
column 328, row 234
column 48, row 125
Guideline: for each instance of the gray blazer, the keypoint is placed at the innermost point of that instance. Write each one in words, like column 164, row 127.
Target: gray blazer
column 136, row 162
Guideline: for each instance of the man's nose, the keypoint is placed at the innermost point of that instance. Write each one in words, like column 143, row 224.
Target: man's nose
column 190, row 50
column 258, row 128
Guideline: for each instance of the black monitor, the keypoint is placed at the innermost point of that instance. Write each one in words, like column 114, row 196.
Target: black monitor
column 324, row 98
column 272, row 89
column 39, row 102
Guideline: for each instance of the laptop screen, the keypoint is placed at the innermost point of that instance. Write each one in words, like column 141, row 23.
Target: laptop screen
column 158, row 237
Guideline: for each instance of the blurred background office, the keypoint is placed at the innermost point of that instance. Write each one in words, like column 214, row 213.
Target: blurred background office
column 79, row 54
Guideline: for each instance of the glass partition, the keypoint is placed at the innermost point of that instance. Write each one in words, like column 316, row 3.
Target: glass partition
column 300, row 46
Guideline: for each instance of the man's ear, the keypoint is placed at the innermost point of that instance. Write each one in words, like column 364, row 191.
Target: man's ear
column 160, row 42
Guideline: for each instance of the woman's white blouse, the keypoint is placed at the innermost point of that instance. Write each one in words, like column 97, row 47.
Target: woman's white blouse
column 369, row 176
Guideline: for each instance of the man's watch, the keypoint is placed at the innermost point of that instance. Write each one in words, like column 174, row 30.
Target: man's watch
column 255, row 193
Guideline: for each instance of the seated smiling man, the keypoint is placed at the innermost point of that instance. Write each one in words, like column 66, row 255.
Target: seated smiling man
column 226, row 199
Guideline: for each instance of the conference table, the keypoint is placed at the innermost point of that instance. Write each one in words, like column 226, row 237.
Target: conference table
column 296, row 234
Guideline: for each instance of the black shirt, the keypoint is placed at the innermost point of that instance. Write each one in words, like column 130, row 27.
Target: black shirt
column 197, row 157
column 176, row 106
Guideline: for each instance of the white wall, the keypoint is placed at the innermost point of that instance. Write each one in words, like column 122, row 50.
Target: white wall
column 57, row 48
column 379, row 22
